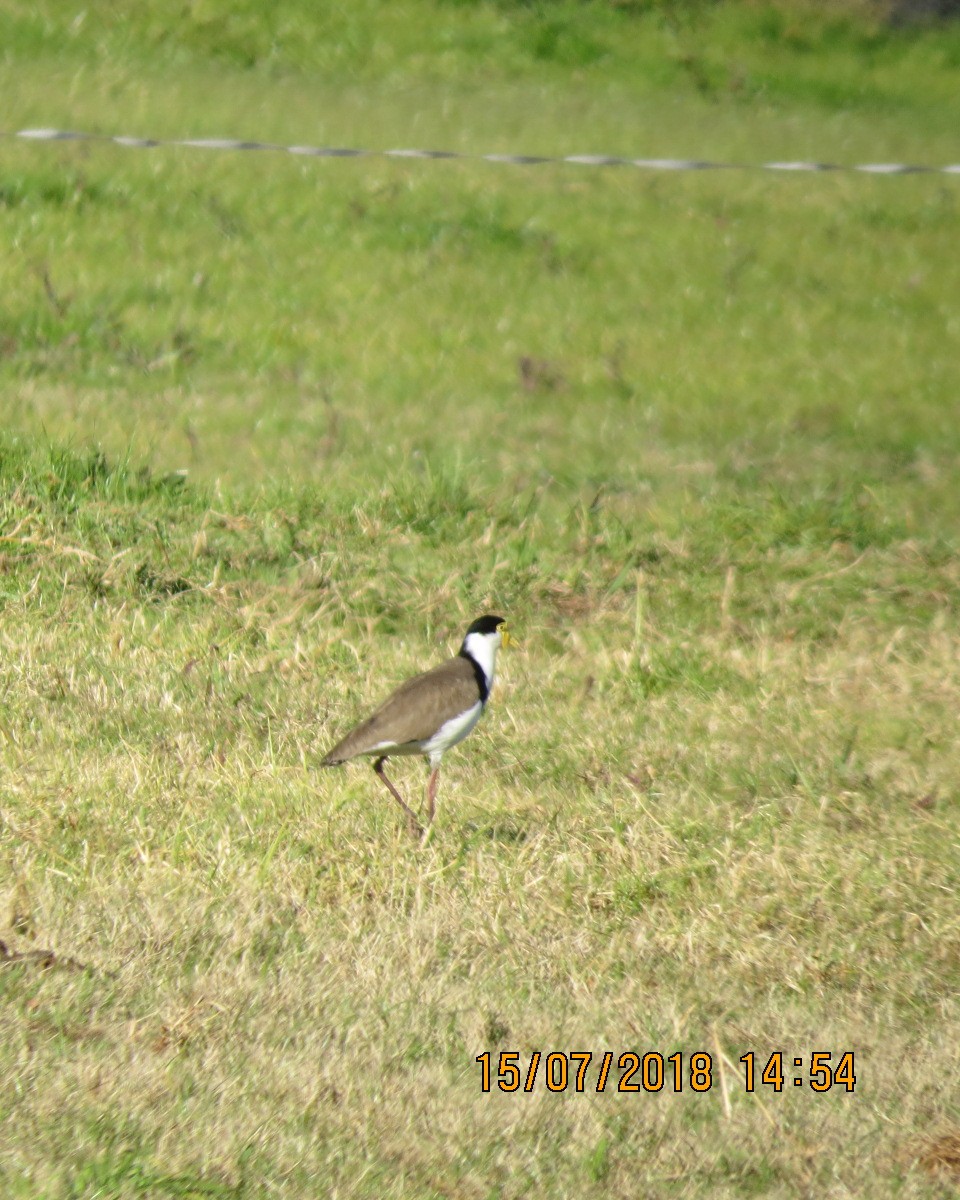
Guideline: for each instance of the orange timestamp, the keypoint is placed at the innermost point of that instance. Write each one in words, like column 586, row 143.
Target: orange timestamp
column 651, row 1071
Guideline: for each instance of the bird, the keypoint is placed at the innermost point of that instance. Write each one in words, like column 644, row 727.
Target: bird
column 429, row 713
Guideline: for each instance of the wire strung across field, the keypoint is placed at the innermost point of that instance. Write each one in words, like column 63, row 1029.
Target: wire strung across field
column 523, row 160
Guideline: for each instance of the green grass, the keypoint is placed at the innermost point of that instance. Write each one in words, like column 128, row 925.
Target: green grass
column 275, row 430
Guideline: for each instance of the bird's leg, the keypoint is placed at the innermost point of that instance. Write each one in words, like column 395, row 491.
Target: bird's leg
column 432, row 794
column 416, row 829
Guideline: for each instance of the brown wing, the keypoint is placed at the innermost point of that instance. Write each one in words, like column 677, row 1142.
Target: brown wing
column 414, row 712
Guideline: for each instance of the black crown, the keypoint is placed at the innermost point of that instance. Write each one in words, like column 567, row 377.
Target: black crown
column 486, row 624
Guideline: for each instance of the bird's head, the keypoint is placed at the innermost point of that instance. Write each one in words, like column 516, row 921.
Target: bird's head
column 492, row 628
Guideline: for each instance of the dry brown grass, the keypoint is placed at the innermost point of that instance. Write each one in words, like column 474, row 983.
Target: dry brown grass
column 276, row 986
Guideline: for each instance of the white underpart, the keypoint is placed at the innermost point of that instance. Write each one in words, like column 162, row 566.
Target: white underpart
column 451, row 732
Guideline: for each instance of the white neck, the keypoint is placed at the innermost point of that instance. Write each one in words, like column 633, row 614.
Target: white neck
column 482, row 648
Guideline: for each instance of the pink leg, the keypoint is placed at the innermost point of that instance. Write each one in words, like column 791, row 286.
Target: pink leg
column 432, row 794
column 416, row 829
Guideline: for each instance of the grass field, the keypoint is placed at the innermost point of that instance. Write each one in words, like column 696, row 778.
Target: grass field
column 276, row 430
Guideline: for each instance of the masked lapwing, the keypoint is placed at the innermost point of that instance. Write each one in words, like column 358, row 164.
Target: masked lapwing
column 429, row 713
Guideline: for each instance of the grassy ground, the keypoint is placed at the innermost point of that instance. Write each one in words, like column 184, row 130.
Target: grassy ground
column 696, row 435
